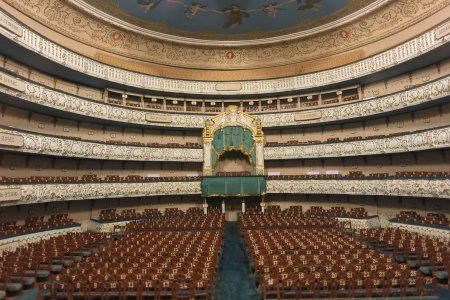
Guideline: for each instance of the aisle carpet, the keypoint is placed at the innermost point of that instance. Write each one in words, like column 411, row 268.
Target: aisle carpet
column 234, row 276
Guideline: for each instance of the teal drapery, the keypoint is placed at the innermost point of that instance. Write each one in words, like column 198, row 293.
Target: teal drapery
column 233, row 138
column 233, row 186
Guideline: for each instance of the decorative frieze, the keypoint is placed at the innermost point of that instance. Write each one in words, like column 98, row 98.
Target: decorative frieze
column 58, row 100
column 42, row 144
column 390, row 58
column 423, row 140
column 38, row 193
column 438, row 188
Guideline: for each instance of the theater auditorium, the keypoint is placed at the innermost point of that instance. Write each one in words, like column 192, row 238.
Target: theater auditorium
column 224, row 150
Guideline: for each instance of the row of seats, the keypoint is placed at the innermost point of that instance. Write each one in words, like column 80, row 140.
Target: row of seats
column 313, row 212
column 36, row 262
column 138, row 178
column 303, row 257
column 361, row 175
column 429, row 255
column 243, row 173
column 430, row 219
column 93, row 179
column 337, row 139
column 112, row 215
column 149, row 261
column 35, row 224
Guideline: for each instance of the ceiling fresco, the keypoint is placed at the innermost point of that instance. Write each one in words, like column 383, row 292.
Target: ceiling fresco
column 229, row 19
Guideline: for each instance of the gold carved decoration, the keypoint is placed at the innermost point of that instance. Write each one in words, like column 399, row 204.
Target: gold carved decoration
column 233, row 117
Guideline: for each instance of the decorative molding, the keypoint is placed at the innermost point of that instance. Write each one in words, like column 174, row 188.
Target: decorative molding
column 56, row 146
column 107, row 17
column 42, row 95
column 39, row 193
column 423, row 140
column 41, row 144
column 390, row 58
column 66, row 19
column 437, row 188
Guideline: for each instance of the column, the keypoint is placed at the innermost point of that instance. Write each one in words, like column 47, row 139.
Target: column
column 223, row 206
column 263, row 204
column 205, row 206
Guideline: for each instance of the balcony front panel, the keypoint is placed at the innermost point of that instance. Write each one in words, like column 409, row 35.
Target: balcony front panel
column 39, row 193
column 47, row 97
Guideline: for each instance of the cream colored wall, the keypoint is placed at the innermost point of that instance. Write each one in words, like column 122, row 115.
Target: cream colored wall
column 47, row 124
column 422, row 119
column 435, row 160
column 19, row 165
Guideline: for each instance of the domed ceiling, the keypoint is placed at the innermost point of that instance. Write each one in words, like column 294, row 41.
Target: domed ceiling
column 230, row 19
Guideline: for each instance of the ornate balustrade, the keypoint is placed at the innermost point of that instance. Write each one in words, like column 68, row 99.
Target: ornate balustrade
column 37, row 193
column 38, row 94
column 439, row 188
column 413, row 48
column 56, row 146
column 44, row 144
column 422, row 140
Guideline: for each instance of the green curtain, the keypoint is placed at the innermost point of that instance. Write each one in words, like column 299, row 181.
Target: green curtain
column 233, row 138
column 233, row 186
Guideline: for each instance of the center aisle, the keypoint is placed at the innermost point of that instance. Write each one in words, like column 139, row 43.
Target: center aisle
column 235, row 281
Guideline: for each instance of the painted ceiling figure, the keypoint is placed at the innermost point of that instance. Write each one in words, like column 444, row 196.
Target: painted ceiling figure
column 272, row 8
column 147, row 5
column 309, row 4
column 235, row 16
column 194, row 9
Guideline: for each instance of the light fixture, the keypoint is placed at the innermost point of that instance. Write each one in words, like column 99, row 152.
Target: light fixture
column 213, row 103
column 269, row 101
column 289, row 100
column 174, row 101
column 154, row 99
column 194, row 102
column 251, row 103
column 309, row 97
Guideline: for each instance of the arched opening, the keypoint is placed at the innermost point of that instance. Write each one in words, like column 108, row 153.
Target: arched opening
column 234, row 161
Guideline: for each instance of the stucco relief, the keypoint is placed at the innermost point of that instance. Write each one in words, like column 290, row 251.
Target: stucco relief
column 424, row 140
column 390, row 58
column 439, row 188
column 41, row 144
column 38, row 193
column 63, row 17
column 58, row 100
